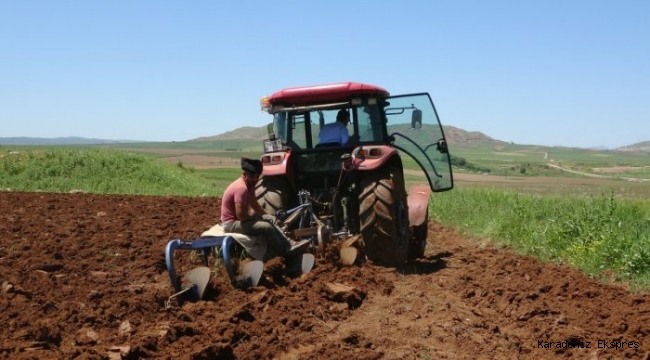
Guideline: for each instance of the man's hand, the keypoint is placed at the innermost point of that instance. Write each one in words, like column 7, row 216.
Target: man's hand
column 270, row 218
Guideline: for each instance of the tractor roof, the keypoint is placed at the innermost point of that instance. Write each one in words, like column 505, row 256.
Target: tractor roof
column 324, row 93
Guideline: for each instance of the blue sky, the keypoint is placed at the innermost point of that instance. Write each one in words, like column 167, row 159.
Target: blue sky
column 553, row 72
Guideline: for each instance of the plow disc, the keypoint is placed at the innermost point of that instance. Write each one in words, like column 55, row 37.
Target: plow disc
column 349, row 252
column 349, row 255
column 199, row 278
column 249, row 273
column 308, row 261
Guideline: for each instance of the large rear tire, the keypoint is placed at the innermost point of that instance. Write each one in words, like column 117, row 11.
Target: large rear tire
column 383, row 215
column 273, row 193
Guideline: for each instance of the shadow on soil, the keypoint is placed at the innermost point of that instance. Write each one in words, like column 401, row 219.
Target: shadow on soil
column 428, row 265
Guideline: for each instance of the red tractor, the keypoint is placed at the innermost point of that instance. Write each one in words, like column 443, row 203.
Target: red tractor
column 356, row 188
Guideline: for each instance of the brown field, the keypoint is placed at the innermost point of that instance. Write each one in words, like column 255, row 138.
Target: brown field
column 84, row 277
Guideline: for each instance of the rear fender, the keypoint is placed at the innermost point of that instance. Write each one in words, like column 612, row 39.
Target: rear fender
column 276, row 164
column 418, row 201
column 372, row 157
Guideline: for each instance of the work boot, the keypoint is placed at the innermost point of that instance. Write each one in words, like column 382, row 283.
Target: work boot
column 296, row 245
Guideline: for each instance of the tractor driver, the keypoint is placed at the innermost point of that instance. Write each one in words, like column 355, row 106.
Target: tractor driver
column 336, row 132
column 241, row 213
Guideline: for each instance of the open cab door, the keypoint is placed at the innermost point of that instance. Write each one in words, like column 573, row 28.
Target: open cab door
column 414, row 128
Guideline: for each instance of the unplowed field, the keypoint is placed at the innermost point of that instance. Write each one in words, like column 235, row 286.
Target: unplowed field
column 83, row 277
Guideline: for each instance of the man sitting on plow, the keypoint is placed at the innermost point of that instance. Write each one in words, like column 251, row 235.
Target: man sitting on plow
column 241, row 213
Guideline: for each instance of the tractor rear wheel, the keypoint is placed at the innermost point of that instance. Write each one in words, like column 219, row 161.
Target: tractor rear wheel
column 273, row 193
column 383, row 215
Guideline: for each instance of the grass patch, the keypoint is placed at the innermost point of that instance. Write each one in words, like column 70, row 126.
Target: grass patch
column 593, row 233
column 221, row 178
column 101, row 171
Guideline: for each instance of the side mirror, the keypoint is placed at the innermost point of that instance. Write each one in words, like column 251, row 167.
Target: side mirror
column 269, row 130
column 442, row 146
column 416, row 119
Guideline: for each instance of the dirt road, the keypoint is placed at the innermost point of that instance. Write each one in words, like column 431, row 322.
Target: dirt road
column 83, row 277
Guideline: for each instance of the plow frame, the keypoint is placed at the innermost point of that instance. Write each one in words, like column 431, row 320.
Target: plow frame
column 207, row 245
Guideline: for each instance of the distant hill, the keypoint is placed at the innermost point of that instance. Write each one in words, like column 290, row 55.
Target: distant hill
column 642, row 146
column 453, row 134
column 456, row 135
column 242, row 133
column 70, row 140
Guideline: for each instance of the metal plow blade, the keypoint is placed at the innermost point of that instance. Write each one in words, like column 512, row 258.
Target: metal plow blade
column 349, row 255
column 348, row 252
column 308, row 261
column 199, row 278
column 250, row 273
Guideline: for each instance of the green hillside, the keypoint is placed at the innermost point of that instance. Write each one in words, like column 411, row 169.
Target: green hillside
column 100, row 171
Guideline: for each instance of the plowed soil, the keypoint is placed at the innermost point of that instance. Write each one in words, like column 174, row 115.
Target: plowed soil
column 83, row 277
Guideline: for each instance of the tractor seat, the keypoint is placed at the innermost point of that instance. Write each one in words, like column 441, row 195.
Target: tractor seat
column 254, row 245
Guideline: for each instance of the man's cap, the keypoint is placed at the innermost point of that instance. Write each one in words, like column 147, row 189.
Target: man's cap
column 252, row 166
column 343, row 113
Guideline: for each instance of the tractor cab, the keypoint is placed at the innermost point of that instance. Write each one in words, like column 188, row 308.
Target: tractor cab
column 408, row 123
column 353, row 170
